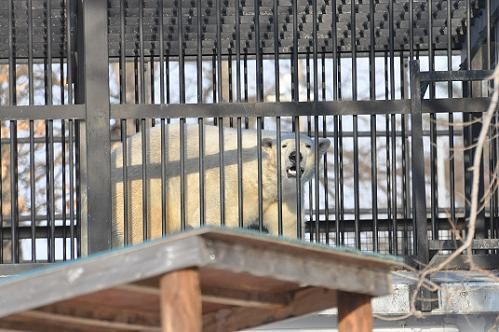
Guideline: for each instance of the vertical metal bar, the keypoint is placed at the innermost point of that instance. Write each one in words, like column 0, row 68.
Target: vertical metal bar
column 69, row 53
column 123, row 122
column 433, row 132
column 260, row 175
column 69, row 80
column 164, row 157
column 316, row 118
column 145, row 187
column 50, row 138
column 336, row 154
column 259, row 120
column 161, row 59
column 31, row 96
column 220, row 123
column 142, row 100
column 452, row 161
column 298, row 181
column 238, row 50
column 325, row 162
column 14, row 214
column 164, row 178
column 275, row 18
column 222, row 168
column 183, row 222
column 312, row 223
column 417, row 156
column 93, row 86
column 199, row 62
column 387, row 153
column 142, row 93
column 258, row 54
column 404, row 151
column 294, row 55
column 181, row 79
column 355, row 127
column 71, row 189
column 394, row 192
column 372, row 96
column 296, row 120
column 152, row 92
column 63, row 163
column 219, row 54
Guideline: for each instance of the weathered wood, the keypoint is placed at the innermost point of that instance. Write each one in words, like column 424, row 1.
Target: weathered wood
column 349, row 273
column 235, row 280
column 303, row 302
column 231, row 297
column 181, row 308
column 113, row 313
column 220, row 249
column 79, row 322
column 354, row 312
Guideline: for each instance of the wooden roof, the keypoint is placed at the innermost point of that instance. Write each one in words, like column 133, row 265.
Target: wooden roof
column 242, row 275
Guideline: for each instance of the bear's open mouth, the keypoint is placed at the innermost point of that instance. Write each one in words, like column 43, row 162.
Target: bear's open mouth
column 291, row 171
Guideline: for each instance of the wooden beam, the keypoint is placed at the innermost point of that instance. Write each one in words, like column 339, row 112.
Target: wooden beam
column 181, row 308
column 80, row 322
column 232, row 297
column 241, row 298
column 354, row 312
column 303, row 302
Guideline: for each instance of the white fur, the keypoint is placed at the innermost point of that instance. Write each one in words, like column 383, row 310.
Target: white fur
column 212, row 180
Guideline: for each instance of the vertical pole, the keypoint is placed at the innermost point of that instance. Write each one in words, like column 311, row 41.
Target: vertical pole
column 181, row 308
column 93, row 91
column 418, row 182
column 417, row 159
column 354, row 312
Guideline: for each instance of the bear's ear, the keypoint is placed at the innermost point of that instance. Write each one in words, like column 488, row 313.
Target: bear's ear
column 267, row 143
column 324, row 144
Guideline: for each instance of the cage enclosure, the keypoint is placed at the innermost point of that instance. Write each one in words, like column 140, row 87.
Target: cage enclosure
column 127, row 120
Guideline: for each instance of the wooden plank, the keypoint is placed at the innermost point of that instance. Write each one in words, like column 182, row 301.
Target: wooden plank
column 303, row 302
column 104, row 312
column 354, row 312
column 309, row 268
column 78, row 323
column 119, row 299
column 181, row 308
column 216, row 278
column 232, row 252
column 242, row 298
column 231, row 297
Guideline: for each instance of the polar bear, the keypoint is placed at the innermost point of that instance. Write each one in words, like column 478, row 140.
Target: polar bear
column 163, row 185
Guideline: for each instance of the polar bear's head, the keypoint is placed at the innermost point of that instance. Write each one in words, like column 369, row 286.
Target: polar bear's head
column 296, row 162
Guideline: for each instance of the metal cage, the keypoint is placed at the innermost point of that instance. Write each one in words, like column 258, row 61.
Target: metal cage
column 80, row 79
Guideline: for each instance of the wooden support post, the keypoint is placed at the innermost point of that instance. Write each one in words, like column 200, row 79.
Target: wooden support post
column 354, row 312
column 181, row 301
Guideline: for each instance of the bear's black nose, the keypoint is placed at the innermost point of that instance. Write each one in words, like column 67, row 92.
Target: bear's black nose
column 292, row 156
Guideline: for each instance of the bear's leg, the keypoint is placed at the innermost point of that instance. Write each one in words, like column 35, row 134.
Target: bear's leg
column 289, row 214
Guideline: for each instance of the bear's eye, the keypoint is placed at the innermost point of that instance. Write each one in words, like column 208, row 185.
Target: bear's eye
column 307, row 146
column 284, row 146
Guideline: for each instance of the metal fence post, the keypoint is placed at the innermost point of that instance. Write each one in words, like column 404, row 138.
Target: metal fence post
column 93, row 91
column 417, row 164
column 418, row 183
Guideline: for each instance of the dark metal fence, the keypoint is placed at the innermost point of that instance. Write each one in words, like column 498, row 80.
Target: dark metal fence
column 395, row 178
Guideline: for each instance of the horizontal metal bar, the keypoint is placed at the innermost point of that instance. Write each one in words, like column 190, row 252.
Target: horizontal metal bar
column 42, row 112
column 257, row 109
column 461, row 75
column 269, row 109
column 453, row 244
column 41, row 232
